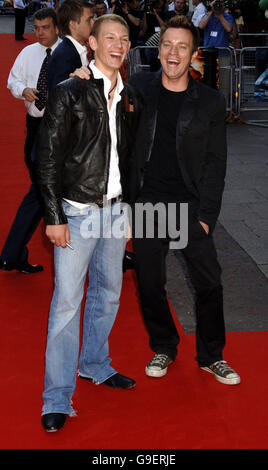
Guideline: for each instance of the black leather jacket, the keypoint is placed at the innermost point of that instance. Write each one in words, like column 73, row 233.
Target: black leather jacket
column 73, row 147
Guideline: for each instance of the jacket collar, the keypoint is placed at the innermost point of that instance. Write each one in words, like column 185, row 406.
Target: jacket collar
column 188, row 108
column 155, row 85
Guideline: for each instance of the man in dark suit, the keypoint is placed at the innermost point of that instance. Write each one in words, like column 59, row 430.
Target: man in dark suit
column 75, row 19
column 180, row 157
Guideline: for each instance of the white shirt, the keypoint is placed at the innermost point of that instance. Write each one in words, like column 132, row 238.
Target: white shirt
column 19, row 4
column 199, row 12
column 114, row 186
column 25, row 73
column 82, row 50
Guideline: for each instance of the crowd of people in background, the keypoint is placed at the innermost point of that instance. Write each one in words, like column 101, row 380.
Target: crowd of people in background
column 144, row 18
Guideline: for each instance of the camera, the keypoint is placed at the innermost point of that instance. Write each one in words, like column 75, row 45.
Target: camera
column 148, row 6
column 218, row 5
column 119, row 3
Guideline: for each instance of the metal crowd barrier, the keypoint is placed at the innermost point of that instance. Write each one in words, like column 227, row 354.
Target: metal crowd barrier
column 252, row 85
column 138, row 59
column 253, row 39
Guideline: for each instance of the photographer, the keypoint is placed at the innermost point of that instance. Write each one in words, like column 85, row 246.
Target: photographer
column 217, row 26
column 154, row 17
column 132, row 14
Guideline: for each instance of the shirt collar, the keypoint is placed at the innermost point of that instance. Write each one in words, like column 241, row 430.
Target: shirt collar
column 107, row 83
column 53, row 47
column 55, row 44
column 79, row 47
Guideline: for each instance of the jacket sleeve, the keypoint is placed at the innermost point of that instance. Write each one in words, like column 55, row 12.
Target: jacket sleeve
column 51, row 148
column 215, row 167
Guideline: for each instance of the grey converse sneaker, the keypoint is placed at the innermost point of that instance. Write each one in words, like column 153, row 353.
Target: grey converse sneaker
column 223, row 373
column 157, row 367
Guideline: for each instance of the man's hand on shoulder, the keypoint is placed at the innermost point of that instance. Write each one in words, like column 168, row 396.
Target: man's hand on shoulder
column 83, row 73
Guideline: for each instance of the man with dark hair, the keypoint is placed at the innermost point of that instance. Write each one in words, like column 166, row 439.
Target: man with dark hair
column 26, row 82
column 180, row 158
column 83, row 152
column 100, row 8
column 180, row 7
column 75, row 23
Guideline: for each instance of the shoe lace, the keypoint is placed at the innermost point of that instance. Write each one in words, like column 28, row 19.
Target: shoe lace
column 223, row 367
column 159, row 359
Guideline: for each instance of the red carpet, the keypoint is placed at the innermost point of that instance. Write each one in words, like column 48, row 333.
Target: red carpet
column 187, row 409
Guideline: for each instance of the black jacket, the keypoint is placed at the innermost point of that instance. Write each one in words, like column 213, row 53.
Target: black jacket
column 201, row 142
column 64, row 60
column 73, row 147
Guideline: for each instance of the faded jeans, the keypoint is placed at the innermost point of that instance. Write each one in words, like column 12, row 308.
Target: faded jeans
column 101, row 256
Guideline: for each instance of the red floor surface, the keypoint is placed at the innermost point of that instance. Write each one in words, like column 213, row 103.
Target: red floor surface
column 186, row 409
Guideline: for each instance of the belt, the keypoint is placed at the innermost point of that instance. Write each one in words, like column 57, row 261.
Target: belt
column 106, row 203
column 114, row 200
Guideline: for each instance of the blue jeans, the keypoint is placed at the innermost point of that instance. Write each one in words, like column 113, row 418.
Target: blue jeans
column 101, row 256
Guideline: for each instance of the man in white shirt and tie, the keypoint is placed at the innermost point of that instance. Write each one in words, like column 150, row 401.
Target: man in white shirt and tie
column 23, row 82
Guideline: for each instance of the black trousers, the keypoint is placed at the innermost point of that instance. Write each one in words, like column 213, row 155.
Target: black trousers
column 30, row 211
column 205, row 274
column 20, row 18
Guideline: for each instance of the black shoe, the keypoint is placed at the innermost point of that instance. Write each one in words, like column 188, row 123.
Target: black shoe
column 5, row 266
column 52, row 422
column 128, row 261
column 116, row 381
column 25, row 268
column 28, row 268
column 21, row 39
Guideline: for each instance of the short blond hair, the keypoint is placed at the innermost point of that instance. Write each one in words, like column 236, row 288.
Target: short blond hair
column 104, row 18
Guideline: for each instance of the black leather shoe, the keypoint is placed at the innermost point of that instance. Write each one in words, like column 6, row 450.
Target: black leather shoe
column 52, row 422
column 116, row 381
column 5, row 266
column 28, row 268
column 25, row 268
column 128, row 261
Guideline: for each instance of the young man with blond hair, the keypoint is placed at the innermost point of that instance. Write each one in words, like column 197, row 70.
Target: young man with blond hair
column 82, row 168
